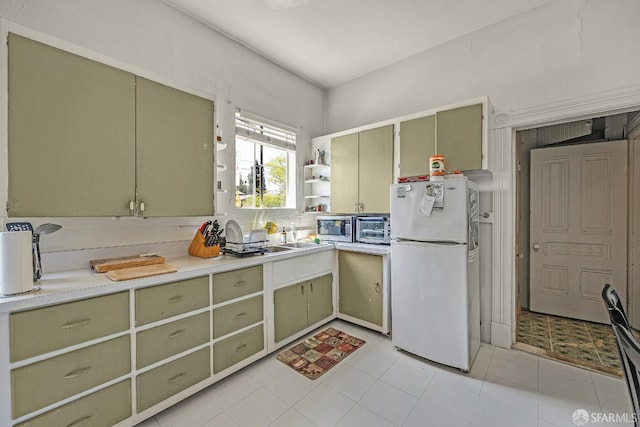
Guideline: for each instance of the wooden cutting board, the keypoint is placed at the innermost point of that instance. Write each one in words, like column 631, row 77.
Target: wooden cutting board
column 138, row 272
column 104, row 265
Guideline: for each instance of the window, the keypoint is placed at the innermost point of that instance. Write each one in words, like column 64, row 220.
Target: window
column 265, row 165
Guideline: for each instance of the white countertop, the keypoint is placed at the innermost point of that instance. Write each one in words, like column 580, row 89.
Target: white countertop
column 65, row 286
column 84, row 283
column 364, row 247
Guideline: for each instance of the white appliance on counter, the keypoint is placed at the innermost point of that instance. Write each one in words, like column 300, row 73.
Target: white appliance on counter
column 373, row 229
column 435, row 303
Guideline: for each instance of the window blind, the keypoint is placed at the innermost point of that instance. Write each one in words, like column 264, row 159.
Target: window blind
column 265, row 134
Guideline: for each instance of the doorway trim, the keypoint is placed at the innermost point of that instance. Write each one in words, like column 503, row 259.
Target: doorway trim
column 502, row 163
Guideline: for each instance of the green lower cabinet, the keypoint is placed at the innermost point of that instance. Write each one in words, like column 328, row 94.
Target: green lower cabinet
column 236, row 348
column 301, row 305
column 320, row 299
column 290, row 310
column 103, row 408
column 52, row 380
column 162, row 382
column 360, row 286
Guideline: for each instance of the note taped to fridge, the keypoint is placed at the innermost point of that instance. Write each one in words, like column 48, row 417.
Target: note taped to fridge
column 426, row 204
column 436, row 189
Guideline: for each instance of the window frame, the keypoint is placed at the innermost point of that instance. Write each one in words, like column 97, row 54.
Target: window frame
column 265, row 133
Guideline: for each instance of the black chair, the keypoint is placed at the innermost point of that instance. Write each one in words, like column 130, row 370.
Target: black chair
column 628, row 347
column 614, row 306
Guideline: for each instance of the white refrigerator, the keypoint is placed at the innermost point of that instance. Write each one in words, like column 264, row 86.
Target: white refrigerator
column 435, row 277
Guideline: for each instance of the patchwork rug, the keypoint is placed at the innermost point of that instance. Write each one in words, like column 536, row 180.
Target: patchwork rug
column 321, row 352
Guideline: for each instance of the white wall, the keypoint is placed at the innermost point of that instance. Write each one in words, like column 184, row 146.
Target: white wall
column 152, row 39
column 560, row 50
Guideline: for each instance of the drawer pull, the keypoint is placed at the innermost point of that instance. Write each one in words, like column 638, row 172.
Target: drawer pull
column 241, row 347
column 176, row 334
column 80, row 421
column 241, row 315
column 377, row 287
column 240, row 283
column 176, row 298
column 176, row 377
column 76, row 324
column 78, row 372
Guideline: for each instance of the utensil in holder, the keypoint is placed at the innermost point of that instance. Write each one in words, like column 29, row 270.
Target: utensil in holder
column 197, row 247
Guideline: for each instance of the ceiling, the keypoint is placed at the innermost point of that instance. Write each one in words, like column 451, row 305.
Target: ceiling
column 330, row 42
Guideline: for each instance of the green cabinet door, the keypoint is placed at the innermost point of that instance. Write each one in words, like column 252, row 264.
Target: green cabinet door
column 71, row 128
column 290, row 310
column 360, row 286
column 417, row 144
column 319, row 298
column 459, row 137
column 375, row 170
column 344, row 174
column 174, row 149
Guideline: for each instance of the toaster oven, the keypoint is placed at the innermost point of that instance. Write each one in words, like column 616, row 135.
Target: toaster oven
column 373, row 229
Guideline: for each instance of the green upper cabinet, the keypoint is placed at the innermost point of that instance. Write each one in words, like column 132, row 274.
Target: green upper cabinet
column 361, row 171
column 87, row 139
column 417, row 144
column 456, row 134
column 459, row 137
column 174, row 151
column 71, row 134
column 344, row 173
column 375, row 169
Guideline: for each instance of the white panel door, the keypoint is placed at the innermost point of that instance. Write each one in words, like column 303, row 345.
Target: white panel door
column 578, row 228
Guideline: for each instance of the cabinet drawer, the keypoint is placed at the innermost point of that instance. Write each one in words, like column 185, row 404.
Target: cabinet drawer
column 103, row 408
column 51, row 328
column 236, row 348
column 237, row 315
column 163, row 341
column 234, row 284
column 164, row 381
column 43, row 383
column 164, row 301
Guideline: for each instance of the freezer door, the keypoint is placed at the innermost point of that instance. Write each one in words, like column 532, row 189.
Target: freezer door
column 447, row 220
column 430, row 302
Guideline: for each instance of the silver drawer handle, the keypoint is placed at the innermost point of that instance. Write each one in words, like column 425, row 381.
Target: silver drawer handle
column 76, row 324
column 240, row 283
column 241, row 347
column 75, row 374
column 241, row 315
column 176, row 334
column 176, row 298
column 177, row 377
column 80, row 421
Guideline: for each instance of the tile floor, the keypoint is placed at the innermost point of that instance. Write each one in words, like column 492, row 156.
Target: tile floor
column 588, row 344
column 380, row 386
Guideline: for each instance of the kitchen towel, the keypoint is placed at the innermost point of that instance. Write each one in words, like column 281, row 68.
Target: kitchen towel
column 16, row 262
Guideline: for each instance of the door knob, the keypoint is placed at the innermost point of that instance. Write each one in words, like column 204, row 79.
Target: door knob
column 536, row 247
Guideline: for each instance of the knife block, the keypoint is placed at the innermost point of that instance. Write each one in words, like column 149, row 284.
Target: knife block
column 197, row 247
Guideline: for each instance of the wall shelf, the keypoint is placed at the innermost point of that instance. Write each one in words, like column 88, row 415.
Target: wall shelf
column 317, row 188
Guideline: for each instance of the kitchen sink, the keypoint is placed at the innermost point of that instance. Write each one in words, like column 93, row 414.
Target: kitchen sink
column 272, row 249
column 300, row 245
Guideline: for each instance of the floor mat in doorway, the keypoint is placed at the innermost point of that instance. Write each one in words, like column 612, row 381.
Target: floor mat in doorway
column 587, row 344
column 317, row 354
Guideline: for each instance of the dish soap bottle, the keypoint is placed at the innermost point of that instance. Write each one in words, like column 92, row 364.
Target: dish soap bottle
column 283, row 236
column 294, row 233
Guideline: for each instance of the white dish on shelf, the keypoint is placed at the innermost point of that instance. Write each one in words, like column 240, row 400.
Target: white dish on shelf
column 233, row 232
